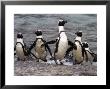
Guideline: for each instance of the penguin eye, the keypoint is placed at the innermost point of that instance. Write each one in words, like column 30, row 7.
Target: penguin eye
column 21, row 36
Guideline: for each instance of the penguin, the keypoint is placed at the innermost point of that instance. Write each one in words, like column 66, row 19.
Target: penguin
column 76, row 47
column 40, row 47
column 61, row 43
column 78, row 52
column 88, row 54
column 20, row 48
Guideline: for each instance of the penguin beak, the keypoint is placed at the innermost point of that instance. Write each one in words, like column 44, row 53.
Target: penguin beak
column 35, row 32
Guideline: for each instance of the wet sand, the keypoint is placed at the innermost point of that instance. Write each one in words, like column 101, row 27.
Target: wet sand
column 33, row 68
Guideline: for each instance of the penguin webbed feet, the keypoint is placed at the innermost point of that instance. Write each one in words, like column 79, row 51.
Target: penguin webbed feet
column 61, row 63
column 52, row 58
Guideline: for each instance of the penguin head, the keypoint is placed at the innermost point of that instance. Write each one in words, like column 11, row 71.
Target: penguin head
column 79, row 33
column 61, row 22
column 19, row 35
column 38, row 32
column 85, row 45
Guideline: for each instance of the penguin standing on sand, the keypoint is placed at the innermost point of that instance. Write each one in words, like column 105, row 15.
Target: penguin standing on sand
column 61, row 43
column 78, row 51
column 20, row 48
column 40, row 47
column 88, row 54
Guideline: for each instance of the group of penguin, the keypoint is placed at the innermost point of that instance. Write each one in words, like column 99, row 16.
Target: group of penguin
column 63, row 46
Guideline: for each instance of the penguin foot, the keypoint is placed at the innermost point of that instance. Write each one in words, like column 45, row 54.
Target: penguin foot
column 61, row 63
column 52, row 58
column 56, row 62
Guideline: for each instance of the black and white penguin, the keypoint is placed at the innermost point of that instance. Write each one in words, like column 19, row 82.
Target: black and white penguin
column 61, row 43
column 77, row 49
column 20, row 48
column 78, row 53
column 88, row 54
column 40, row 47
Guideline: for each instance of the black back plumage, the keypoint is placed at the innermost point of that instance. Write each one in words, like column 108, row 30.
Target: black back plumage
column 85, row 45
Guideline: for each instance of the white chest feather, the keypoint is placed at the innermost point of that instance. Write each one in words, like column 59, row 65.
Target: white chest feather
column 79, row 39
column 63, row 38
column 79, row 48
column 78, row 53
column 20, row 41
column 19, row 51
column 19, row 48
column 40, row 50
column 62, row 46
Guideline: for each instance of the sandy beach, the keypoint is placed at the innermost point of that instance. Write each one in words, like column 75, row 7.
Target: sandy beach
column 33, row 68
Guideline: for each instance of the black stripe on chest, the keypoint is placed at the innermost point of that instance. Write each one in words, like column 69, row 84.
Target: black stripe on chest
column 23, row 47
column 57, row 44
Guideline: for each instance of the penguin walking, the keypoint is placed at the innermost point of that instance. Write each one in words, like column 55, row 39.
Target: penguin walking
column 88, row 54
column 61, row 43
column 78, row 51
column 40, row 47
column 20, row 48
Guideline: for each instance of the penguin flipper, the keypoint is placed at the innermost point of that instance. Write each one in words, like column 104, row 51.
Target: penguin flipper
column 48, row 49
column 70, row 43
column 32, row 45
column 33, row 55
column 25, row 49
column 52, row 41
column 85, row 56
column 49, row 42
column 72, row 46
column 94, row 56
column 68, row 50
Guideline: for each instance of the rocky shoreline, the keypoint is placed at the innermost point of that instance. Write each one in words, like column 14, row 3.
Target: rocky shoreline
column 33, row 68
